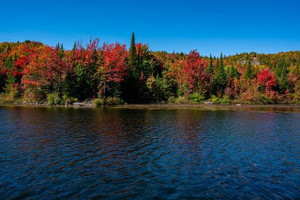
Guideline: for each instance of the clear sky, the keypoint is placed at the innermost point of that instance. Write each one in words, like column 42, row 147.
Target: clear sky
column 210, row 26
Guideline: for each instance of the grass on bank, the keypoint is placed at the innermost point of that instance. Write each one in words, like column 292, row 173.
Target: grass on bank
column 54, row 99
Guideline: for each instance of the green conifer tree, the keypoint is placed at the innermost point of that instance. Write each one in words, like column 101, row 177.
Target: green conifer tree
column 210, row 68
column 283, row 81
column 220, row 78
column 132, row 57
column 74, row 46
column 249, row 73
column 9, row 64
column 131, row 85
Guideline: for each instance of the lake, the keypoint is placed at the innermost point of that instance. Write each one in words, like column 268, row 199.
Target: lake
column 106, row 153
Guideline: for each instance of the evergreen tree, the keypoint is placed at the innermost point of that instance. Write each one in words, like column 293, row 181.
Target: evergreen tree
column 210, row 68
column 249, row 73
column 132, row 57
column 220, row 78
column 74, row 47
column 70, row 85
column 277, row 71
column 140, row 67
column 279, row 66
column 60, row 50
column 221, row 60
column 233, row 72
column 131, row 85
column 283, row 81
column 9, row 64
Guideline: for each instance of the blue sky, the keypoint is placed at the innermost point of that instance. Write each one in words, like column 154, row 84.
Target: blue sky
column 211, row 26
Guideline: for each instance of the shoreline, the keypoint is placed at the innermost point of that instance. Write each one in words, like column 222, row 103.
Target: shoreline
column 213, row 107
column 292, row 107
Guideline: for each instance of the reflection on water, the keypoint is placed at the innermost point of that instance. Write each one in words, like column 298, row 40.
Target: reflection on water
column 147, row 154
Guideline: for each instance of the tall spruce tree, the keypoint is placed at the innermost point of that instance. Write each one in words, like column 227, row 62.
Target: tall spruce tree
column 221, row 60
column 131, row 85
column 132, row 57
column 220, row 78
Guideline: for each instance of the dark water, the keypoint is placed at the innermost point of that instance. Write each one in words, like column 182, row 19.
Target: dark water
column 58, row 153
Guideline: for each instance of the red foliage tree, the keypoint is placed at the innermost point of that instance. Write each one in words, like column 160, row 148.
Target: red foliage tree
column 266, row 78
column 85, row 55
column 20, row 64
column 193, row 73
column 113, row 69
column 39, row 72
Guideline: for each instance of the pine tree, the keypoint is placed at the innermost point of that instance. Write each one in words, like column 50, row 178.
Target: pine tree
column 283, row 81
column 60, row 50
column 221, row 60
column 220, row 78
column 9, row 64
column 74, row 46
column 132, row 53
column 210, row 68
column 249, row 73
column 131, row 87
column 233, row 72
column 279, row 66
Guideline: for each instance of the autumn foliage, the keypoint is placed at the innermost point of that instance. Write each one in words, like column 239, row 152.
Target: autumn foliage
column 33, row 71
column 266, row 78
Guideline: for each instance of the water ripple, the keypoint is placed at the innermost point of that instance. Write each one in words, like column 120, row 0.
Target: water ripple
column 58, row 153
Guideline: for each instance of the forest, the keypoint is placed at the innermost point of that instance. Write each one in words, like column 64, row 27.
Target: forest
column 32, row 72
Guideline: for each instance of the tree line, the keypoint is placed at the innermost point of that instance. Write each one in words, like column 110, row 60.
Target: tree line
column 34, row 72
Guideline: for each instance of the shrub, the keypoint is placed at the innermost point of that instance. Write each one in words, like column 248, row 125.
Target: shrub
column 265, row 100
column 64, row 98
column 224, row 100
column 172, row 100
column 53, row 99
column 196, row 97
column 14, row 91
column 113, row 101
column 180, row 92
column 99, row 102
column 181, row 99
column 214, row 99
column 70, row 100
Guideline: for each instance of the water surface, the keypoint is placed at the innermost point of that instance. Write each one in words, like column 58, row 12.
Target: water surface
column 66, row 153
